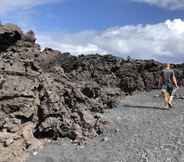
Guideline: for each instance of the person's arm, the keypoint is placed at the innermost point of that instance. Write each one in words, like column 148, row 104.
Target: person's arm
column 175, row 81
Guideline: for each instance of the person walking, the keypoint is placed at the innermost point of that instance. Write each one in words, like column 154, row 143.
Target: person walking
column 168, row 85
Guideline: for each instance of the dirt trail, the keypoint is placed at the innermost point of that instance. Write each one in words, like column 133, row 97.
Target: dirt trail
column 140, row 130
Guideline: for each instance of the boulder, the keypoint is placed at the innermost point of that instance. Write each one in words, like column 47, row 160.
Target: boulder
column 9, row 35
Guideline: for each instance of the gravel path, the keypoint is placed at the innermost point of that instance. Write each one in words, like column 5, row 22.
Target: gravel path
column 140, row 131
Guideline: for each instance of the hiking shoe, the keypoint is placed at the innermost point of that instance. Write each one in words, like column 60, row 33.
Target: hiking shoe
column 170, row 105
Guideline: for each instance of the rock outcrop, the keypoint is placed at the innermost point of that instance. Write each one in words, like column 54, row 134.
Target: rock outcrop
column 60, row 94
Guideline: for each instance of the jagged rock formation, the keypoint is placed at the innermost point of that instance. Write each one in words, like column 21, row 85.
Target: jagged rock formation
column 60, row 94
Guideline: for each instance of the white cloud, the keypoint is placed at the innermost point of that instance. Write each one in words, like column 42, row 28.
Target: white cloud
column 77, row 43
column 168, row 4
column 163, row 41
column 14, row 5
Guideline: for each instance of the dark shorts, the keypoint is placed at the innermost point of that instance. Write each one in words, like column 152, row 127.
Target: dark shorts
column 169, row 88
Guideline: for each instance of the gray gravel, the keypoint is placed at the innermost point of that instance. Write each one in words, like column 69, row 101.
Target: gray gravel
column 140, row 130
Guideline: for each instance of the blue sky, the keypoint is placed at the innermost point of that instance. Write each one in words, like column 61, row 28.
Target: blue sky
column 139, row 28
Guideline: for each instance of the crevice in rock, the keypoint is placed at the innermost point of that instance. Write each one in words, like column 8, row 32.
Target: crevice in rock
column 24, row 119
column 10, row 97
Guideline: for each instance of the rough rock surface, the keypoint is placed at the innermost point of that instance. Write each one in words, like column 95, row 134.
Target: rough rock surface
column 60, row 94
column 15, row 146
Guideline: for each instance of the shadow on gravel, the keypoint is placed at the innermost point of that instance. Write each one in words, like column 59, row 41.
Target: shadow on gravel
column 144, row 107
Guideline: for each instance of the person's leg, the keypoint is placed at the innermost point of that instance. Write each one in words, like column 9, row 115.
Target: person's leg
column 170, row 100
column 165, row 96
column 171, row 97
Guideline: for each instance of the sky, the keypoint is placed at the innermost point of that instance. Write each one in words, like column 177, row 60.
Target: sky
column 141, row 29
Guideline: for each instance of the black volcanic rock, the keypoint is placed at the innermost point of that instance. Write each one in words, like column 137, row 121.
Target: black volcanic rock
column 9, row 35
